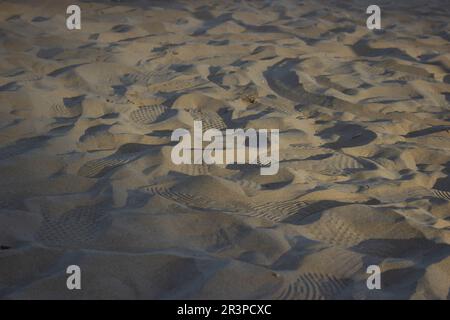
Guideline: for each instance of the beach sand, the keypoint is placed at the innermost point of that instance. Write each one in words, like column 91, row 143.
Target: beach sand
column 86, row 176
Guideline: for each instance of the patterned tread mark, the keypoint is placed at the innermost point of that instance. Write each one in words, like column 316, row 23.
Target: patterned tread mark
column 336, row 231
column 74, row 228
column 132, row 78
column 145, row 115
column 445, row 195
column 99, row 167
column 344, row 162
column 337, row 164
column 210, row 120
column 276, row 211
column 314, row 286
column 346, row 264
column 59, row 110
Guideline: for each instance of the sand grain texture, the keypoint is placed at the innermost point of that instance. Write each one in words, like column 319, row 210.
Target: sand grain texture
column 86, row 176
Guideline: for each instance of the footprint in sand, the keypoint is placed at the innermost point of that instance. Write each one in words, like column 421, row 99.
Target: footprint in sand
column 276, row 211
column 74, row 228
column 445, row 195
column 314, row 286
column 146, row 115
column 69, row 108
column 100, row 167
column 209, row 119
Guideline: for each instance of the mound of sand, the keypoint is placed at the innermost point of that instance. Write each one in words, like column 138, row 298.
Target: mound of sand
column 86, row 176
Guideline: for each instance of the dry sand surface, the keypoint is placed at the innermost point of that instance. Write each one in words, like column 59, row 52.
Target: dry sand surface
column 86, row 176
